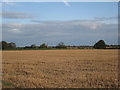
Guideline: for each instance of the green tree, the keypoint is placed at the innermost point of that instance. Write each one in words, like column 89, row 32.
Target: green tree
column 43, row 46
column 33, row 46
column 100, row 45
column 4, row 45
column 11, row 45
column 27, row 47
column 61, row 45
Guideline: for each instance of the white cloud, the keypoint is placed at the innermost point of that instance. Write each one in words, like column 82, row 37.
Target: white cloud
column 91, row 25
column 12, row 28
column 66, row 3
column 17, row 31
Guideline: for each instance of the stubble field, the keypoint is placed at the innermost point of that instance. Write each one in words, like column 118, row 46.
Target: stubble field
column 60, row 69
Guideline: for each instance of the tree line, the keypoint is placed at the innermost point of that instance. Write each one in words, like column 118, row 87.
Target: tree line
column 99, row 45
column 5, row 45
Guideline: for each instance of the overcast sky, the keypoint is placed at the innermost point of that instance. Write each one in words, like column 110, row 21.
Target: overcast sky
column 74, row 23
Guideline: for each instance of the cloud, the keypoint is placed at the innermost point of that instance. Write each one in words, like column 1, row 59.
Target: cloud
column 57, row 34
column 81, row 23
column 106, row 18
column 15, row 30
column 66, row 3
column 16, row 15
column 12, row 28
column 119, row 35
column 9, row 3
column 74, row 32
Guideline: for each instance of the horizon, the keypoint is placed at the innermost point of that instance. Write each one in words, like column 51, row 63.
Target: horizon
column 74, row 23
column 58, row 43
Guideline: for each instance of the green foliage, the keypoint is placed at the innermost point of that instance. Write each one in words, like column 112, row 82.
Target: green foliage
column 43, row 46
column 61, row 45
column 6, row 83
column 100, row 45
column 27, row 47
column 11, row 45
column 6, row 45
column 33, row 46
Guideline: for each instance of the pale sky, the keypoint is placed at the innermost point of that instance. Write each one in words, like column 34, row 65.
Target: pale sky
column 74, row 23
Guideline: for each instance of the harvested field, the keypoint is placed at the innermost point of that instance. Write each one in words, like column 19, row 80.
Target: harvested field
column 60, row 69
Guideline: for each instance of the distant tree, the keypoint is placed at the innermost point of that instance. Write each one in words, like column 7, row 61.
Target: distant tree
column 33, row 46
column 0, row 45
column 11, row 45
column 43, row 46
column 27, row 47
column 4, row 45
column 100, row 45
column 61, row 45
column 107, row 45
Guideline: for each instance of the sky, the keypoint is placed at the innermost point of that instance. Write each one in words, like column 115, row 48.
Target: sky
column 74, row 23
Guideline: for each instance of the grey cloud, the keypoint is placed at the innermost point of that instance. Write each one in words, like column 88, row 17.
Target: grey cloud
column 95, row 20
column 17, row 15
column 106, row 18
column 5, row 3
column 82, row 23
column 71, row 32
